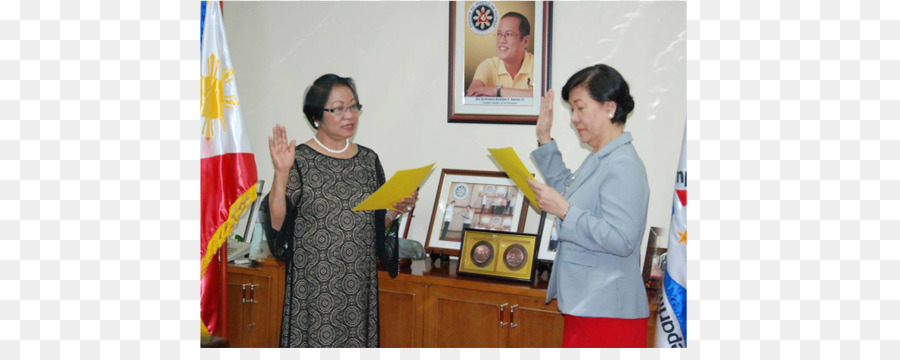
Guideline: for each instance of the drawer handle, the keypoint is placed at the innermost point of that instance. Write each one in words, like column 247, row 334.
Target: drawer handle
column 500, row 314
column 252, row 296
column 512, row 316
column 243, row 293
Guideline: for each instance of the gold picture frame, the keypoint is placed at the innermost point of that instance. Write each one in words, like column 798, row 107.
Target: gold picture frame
column 498, row 254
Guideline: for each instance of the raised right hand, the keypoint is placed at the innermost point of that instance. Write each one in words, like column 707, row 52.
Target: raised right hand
column 282, row 152
column 545, row 119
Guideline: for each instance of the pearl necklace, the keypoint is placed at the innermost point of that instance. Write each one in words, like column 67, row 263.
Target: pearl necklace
column 330, row 150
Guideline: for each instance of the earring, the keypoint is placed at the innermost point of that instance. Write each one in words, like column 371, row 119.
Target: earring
column 610, row 115
column 316, row 124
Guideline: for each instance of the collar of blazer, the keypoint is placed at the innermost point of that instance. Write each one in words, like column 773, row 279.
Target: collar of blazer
column 593, row 161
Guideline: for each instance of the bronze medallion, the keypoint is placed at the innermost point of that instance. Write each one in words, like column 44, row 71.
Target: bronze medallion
column 515, row 257
column 482, row 253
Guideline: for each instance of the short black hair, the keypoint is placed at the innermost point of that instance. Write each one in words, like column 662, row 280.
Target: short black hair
column 524, row 25
column 317, row 95
column 603, row 84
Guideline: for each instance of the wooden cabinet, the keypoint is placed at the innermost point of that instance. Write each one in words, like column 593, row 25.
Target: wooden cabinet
column 401, row 313
column 433, row 307
column 535, row 324
column 255, row 298
column 467, row 318
column 424, row 306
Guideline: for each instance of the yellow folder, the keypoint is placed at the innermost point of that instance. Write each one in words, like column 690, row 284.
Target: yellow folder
column 399, row 186
column 515, row 169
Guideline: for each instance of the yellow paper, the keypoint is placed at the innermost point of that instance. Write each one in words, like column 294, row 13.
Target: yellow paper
column 399, row 186
column 515, row 169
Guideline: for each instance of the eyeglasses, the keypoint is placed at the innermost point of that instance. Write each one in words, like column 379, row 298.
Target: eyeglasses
column 340, row 109
column 508, row 35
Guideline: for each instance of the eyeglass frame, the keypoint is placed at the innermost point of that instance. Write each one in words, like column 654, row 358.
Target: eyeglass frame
column 507, row 35
column 340, row 109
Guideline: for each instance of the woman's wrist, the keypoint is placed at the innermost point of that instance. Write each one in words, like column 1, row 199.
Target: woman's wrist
column 281, row 178
column 282, row 173
column 392, row 215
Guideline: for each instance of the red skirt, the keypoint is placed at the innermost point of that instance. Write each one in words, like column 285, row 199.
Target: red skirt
column 594, row 332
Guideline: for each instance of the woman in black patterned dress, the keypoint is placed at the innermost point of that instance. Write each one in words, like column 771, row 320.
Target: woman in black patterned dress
column 331, row 283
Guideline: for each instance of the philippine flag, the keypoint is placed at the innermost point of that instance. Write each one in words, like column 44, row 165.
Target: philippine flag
column 671, row 324
column 227, row 165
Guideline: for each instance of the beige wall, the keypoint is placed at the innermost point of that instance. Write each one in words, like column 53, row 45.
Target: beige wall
column 398, row 55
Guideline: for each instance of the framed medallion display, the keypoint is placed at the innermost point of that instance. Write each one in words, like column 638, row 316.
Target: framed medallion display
column 498, row 254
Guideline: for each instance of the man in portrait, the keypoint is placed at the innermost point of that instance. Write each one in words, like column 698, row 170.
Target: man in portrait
column 511, row 72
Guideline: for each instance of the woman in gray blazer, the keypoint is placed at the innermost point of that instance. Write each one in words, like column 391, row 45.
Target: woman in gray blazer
column 601, row 212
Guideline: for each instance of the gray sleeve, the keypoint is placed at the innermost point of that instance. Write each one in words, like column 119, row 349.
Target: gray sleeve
column 549, row 161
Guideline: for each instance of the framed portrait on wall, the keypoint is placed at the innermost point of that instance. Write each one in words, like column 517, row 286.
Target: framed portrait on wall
column 499, row 60
column 471, row 199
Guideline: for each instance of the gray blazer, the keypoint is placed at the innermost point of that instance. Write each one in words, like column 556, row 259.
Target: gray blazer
column 597, row 271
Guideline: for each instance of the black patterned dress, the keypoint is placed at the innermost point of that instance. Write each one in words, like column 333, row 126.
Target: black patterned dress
column 331, row 283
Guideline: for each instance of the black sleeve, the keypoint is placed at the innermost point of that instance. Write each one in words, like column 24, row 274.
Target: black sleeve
column 280, row 241
column 386, row 245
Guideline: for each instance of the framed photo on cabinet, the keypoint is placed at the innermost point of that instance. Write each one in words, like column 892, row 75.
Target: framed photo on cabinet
column 548, row 240
column 472, row 199
column 654, row 271
column 654, row 259
column 499, row 60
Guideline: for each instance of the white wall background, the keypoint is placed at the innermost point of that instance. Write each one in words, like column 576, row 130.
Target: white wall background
column 398, row 55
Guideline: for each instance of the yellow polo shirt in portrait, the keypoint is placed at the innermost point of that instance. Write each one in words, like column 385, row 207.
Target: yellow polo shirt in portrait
column 492, row 72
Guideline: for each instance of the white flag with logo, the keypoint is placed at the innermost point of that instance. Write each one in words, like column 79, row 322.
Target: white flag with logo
column 671, row 322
